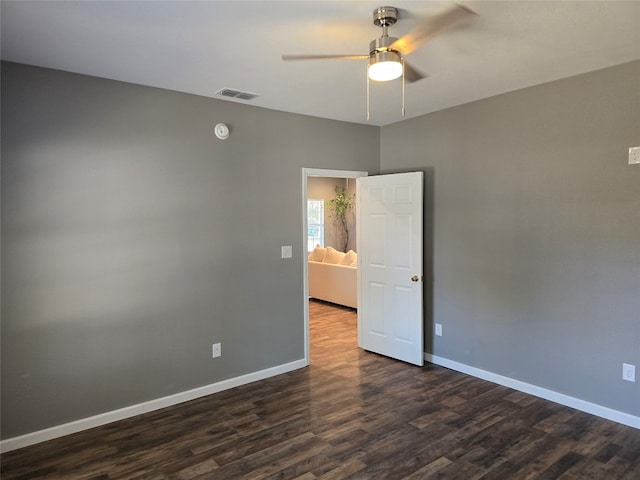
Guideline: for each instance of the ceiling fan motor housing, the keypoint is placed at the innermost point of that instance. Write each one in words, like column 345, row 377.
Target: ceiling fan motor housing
column 380, row 44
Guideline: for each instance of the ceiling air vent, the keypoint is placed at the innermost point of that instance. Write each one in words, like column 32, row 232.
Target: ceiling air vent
column 231, row 93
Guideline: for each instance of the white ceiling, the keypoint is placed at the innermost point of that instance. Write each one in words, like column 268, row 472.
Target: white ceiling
column 201, row 47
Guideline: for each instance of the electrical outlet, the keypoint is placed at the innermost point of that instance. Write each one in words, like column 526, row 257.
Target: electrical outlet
column 216, row 350
column 634, row 155
column 628, row 372
column 438, row 329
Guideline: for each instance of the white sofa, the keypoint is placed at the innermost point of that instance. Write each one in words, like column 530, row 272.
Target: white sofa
column 333, row 276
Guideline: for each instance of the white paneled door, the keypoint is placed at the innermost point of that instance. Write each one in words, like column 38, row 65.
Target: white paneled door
column 389, row 226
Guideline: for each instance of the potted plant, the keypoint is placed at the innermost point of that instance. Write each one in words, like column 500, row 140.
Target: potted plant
column 339, row 208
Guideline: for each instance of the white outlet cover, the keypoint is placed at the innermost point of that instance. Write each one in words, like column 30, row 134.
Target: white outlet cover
column 628, row 372
column 438, row 329
column 287, row 251
column 634, row 155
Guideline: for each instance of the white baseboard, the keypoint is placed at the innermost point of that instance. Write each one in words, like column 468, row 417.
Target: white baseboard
column 584, row 406
column 133, row 410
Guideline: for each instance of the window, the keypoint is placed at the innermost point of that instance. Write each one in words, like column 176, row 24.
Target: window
column 315, row 224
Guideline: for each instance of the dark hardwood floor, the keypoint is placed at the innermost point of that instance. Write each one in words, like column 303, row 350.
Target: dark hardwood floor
column 351, row 414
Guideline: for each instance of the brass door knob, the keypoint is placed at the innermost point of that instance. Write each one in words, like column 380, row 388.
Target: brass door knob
column 415, row 278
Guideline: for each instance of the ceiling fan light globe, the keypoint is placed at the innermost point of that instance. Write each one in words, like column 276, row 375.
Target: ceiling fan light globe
column 385, row 66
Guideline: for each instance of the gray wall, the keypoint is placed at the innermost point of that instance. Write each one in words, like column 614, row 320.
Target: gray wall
column 132, row 239
column 533, row 232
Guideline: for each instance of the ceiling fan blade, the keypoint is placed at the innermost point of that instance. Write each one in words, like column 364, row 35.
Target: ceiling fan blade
column 429, row 27
column 411, row 74
column 321, row 57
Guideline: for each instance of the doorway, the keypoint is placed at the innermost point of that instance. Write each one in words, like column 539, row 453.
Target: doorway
column 306, row 174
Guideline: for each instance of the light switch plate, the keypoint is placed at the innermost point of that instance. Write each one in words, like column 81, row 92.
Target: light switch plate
column 287, row 251
column 634, row 155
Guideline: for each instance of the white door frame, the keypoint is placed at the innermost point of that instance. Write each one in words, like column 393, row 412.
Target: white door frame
column 306, row 173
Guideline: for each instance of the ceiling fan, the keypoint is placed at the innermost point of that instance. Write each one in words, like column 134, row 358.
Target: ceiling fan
column 386, row 58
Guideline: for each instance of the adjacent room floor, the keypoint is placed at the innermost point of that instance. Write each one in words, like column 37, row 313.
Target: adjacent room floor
column 351, row 414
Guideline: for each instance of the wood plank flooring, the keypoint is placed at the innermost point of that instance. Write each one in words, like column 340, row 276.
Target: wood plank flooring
column 350, row 415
